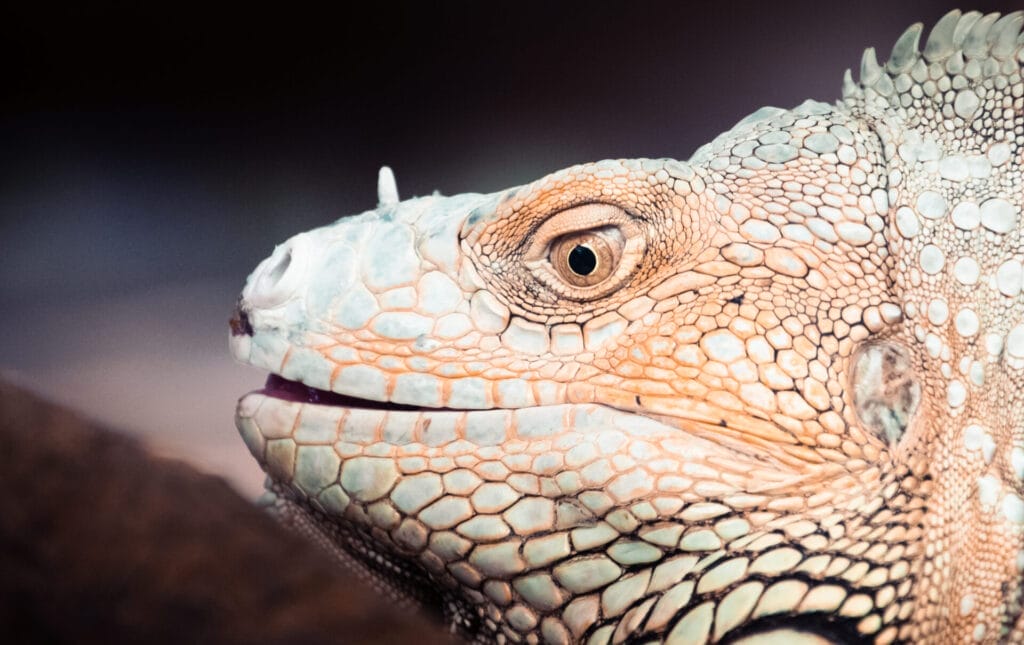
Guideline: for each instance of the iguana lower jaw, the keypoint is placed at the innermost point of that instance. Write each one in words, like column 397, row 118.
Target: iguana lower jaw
column 401, row 459
column 773, row 390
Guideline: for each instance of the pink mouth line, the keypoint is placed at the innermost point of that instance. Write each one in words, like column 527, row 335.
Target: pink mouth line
column 279, row 387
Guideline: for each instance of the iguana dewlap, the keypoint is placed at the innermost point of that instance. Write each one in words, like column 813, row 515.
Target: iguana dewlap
column 777, row 389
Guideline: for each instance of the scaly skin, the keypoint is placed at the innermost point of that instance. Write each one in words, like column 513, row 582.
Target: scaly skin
column 778, row 392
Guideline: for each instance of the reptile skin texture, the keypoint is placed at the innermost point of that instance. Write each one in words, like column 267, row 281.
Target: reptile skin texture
column 774, row 393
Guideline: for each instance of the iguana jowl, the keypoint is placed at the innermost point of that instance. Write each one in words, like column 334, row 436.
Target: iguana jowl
column 777, row 389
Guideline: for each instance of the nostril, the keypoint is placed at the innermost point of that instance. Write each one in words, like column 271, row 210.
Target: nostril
column 239, row 323
column 278, row 278
column 277, row 272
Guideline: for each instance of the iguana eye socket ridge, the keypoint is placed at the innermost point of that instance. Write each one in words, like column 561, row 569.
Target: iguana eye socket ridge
column 586, row 252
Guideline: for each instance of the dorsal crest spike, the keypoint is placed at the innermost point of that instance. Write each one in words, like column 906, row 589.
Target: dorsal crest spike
column 964, row 26
column 940, row 41
column 849, row 86
column 976, row 43
column 904, row 52
column 1006, row 32
column 387, row 187
column 870, row 71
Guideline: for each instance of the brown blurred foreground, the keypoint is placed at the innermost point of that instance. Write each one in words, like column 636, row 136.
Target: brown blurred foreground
column 101, row 541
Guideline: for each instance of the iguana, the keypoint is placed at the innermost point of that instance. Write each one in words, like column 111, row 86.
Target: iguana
column 775, row 391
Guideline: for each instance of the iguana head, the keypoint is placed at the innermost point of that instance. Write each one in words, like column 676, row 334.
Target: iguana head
column 652, row 399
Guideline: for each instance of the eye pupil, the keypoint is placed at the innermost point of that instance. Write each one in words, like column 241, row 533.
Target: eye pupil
column 582, row 260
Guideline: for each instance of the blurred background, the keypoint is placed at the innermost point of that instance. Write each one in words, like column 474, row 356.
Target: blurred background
column 150, row 157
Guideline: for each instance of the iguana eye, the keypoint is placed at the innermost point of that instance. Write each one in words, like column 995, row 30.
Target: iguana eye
column 582, row 260
column 587, row 258
column 585, row 252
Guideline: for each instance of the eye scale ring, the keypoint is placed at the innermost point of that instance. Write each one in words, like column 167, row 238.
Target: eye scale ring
column 585, row 252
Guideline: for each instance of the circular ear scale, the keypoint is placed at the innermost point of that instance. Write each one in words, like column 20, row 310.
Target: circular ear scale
column 886, row 391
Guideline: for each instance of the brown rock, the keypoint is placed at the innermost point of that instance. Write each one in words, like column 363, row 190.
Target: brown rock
column 101, row 541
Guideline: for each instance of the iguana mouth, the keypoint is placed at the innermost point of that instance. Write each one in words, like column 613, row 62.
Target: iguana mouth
column 279, row 387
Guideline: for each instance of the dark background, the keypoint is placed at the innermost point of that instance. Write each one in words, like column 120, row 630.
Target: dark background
column 149, row 158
